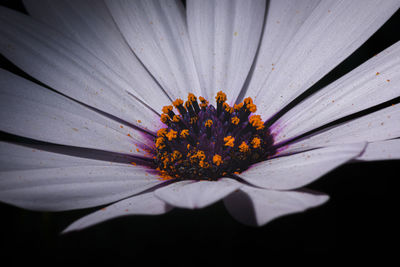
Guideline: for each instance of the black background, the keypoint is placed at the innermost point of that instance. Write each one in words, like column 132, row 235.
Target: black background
column 358, row 220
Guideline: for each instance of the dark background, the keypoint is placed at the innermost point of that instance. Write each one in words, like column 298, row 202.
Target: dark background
column 358, row 219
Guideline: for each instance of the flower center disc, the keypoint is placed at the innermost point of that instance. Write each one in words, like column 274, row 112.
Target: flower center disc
column 204, row 143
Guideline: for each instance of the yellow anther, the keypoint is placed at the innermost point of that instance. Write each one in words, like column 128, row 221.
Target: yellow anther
column 176, row 118
column 204, row 164
column 227, row 108
column 171, row 135
column 165, row 161
column 178, row 102
column 162, row 132
column 164, row 118
column 217, row 159
column 252, row 108
column 188, row 104
column 191, row 97
column 248, row 101
column 163, row 175
column 256, row 142
column 200, row 155
column 176, row 155
column 221, row 97
column 160, row 143
column 256, row 122
column 243, row 147
column 204, row 102
column 235, row 120
column 208, row 123
column 229, row 141
column 188, row 147
column 238, row 106
column 184, row 133
column 167, row 109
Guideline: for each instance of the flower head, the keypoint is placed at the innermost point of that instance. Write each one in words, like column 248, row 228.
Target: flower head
column 94, row 134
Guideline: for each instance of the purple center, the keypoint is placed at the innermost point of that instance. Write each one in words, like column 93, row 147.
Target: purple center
column 206, row 143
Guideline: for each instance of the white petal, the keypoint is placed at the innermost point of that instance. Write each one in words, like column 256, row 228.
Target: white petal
column 298, row 170
column 144, row 204
column 332, row 31
column 283, row 19
column 18, row 157
column 196, row 194
column 374, row 82
column 76, row 187
column 256, row 207
column 68, row 68
column 224, row 37
column 30, row 110
column 157, row 33
column 89, row 23
column 382, row 150
column 380, row 125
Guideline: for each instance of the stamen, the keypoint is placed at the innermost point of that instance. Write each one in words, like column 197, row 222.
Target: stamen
column 238, row 106
column 162, row 132
column 204, row 103
column 229, row 141
column 171, row 135
column 256, row 142
column 165, row 119
column 176, row 155
column 160, row 143
column 189, row 107
column 252, row 108
column 178, row 104
column 217, row 160
column 248, row 101
column 235, row 120
column 256, row 122
column 221, row 98
column 204, row 164
column 176, row 118
column 193, row 100
column 227, row 108
column 166, row 109
column 243, row 147
column 184, row 133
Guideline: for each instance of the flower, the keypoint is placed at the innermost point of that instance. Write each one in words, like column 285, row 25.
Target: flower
column 92, row 126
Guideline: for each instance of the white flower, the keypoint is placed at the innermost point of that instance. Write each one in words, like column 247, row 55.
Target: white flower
column 113, row 66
